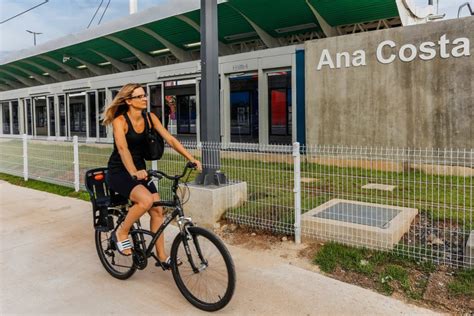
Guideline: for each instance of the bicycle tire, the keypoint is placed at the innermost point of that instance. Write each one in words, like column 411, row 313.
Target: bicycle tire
column 205, row 239
column 106, row 251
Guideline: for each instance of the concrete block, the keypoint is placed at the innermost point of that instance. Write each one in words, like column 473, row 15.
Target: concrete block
column 382, row 237
column 377, row 186
column 469, row 251
column 207, row 204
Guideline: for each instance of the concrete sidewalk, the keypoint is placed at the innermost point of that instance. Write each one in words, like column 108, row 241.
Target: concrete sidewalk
column 49, row 265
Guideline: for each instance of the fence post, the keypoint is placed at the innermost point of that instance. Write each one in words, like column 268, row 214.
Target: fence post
column 75, row 142
column 25, row 157
column 297, row 190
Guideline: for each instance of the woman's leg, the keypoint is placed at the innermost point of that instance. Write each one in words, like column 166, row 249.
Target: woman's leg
column 143, row 200
column 156, row 214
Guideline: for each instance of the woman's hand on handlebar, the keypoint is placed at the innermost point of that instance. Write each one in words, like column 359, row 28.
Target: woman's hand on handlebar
column 198, row 165
column 140, row 175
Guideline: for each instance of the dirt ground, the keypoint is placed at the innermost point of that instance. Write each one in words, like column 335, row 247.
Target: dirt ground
column 435, row 295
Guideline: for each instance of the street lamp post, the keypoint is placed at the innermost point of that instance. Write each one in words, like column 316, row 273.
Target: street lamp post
column 34, row 35
column 209, row 106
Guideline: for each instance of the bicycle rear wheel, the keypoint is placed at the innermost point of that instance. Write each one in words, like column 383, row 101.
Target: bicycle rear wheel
column 210, row 284
column 117, row 265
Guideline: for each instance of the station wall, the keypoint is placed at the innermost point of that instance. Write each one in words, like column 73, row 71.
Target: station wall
column 404, row 87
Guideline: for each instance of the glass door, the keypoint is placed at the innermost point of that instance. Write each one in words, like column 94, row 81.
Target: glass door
column 62, row 116
column 244, row 107
column 279, row 107
column 5, row 108
column 101, row 99
column 186, row 114
column 15, row 117
column 155, row 103
column 77, row 114
column 91, row 112
column 51, row 116
column 28, row 116
column 180, row 107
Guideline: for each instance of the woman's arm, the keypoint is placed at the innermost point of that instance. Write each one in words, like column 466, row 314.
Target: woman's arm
column 173, row 142
column 119, row 125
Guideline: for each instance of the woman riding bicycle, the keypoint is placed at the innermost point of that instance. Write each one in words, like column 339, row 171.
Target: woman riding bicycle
column 126, row 167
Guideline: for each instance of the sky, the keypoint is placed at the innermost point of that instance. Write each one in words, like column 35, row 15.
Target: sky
column 58, row 18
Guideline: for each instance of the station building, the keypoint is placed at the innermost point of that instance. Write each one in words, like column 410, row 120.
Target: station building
column 368, row 73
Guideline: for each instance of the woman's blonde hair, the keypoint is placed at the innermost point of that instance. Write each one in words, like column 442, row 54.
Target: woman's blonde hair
column 118, row 105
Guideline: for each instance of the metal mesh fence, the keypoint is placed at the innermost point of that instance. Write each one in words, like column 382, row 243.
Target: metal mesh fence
column 267, row 171
column 418, row 202
column 415, row 201
column 51, row 161
column 11, row 156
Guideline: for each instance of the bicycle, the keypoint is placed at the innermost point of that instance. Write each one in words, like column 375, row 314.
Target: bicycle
column 202, row 267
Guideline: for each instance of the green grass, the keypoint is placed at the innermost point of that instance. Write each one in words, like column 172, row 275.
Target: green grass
column 463, row 284
column 388, row 270
column 46, row 187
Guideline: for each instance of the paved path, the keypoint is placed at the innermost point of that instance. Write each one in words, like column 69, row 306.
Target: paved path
column 48, row 265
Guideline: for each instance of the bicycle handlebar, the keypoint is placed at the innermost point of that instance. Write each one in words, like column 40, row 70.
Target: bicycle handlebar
column 160, row 174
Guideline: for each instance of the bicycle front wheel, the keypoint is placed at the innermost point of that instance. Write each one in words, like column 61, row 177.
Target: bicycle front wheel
column 117, row 265
column 206, row 276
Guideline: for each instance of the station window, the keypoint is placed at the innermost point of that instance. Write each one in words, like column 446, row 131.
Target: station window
column 244, row 108
column 92, row 115
column 77, row 119
column 180, row 103
column 62, row 115
column 280, row 107
column 52, row 116
column 16, row 118
column 102, row 128
column 156, row 103
column 29, row 116
column 6, row 117
column 40, row 116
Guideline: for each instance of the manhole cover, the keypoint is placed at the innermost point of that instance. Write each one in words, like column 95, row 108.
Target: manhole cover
column 359, row 214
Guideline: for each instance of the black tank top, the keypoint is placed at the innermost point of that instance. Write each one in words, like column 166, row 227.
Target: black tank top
column 136, row 143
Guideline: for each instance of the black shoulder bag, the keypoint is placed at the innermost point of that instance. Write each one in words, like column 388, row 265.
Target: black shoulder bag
column 155, row 143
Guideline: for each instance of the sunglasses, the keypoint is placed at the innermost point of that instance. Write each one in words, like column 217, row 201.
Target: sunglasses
column 141, row 96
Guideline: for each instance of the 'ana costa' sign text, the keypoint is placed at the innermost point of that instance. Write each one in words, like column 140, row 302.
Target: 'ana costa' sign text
column 388, row 51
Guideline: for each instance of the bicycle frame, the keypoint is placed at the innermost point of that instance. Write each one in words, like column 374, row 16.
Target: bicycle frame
column 183, row 222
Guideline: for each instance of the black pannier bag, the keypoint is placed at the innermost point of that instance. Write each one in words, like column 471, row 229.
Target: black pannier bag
column 155, row 143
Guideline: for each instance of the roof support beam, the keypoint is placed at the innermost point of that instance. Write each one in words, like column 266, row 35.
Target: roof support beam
column 73, row 72
column 93, row 68
column 410, row 14
column 37, row 77
column 26, row 81
column 144, row 58
column 56, row 75
column 267, row 39
column 13, row 84
column 223, row 48
column 116, row 63
column 328, row 30
column 180, row 53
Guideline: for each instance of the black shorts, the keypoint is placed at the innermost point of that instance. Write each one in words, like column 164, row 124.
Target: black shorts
column 123, row 183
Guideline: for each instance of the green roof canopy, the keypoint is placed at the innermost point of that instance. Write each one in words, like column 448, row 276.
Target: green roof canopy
column 236, row 18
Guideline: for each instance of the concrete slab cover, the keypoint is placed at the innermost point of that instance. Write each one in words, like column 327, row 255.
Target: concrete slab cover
column 358, row 223
column 377, row 186
column 360, row 214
